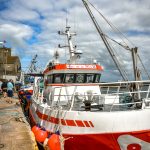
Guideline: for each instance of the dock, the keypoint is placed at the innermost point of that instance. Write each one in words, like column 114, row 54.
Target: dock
column 15, row 131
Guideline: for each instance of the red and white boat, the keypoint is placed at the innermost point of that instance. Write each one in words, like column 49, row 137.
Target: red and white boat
column 88, row 114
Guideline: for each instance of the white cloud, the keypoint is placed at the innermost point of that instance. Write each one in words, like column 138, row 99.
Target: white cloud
column 16, row 36
column 19, row 14
column 15, row 32
column 50, row 16
column 37, row 5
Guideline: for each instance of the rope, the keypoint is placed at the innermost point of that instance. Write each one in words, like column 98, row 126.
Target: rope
column 120, row 61
column 114, row 28
column 57, row 127
column 111, row 25
column 15, row 114
column 5, row 122
column 1, row 145
column 126, row 47
column 143, row 67
column 16, row 117
column 61, row 138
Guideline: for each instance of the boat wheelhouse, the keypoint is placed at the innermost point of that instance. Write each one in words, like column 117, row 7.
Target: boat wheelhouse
column 73, row 73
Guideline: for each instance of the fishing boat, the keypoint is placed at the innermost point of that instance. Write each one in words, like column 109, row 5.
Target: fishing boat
column 75, row 111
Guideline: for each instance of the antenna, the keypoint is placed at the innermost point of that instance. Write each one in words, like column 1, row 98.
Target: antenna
column 74, row 55
column 66, row 22
column 56, row 56
column 66, row 18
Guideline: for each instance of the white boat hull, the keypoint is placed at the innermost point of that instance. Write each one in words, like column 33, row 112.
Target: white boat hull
column 118, row 130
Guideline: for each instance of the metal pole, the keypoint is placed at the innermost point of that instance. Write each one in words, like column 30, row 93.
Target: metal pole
column 137, row 95
column 134, row 57
column 5, row 63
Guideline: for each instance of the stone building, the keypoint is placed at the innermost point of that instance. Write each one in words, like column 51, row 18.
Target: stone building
column 10, row 66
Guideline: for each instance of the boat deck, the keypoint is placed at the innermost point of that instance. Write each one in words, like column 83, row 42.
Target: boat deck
column 15, row 132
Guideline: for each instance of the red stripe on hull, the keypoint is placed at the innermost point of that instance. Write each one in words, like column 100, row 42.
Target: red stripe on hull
column 78, row 123
column 63, row 122
column 91, row 124
column 42, row 116
column 86, row 124
column 70, row 123
column 54, row 120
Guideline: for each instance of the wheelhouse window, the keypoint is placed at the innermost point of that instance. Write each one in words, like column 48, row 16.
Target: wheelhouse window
column 58, row 78
column 97, row 78
column 79, row 78
column 50, row 79
column 69, row 78
column 73, row 78
column 89, row 78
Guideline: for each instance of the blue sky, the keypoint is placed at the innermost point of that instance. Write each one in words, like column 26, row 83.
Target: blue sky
column 30, row 27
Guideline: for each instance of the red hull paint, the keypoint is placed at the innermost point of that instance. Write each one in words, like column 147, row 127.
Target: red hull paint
column 106, row 141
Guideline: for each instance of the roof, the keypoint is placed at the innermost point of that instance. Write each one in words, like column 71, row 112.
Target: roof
column 77, row 67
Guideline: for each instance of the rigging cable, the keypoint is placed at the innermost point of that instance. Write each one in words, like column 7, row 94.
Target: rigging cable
column 126, row 47
column 105, row 41
column 116, row 29
column 120, row 60
column 112, row 26
column 143, row 67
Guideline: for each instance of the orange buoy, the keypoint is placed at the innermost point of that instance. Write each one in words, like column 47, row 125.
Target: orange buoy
column 35, row 129
column 54, row 142
column 41, row 135
column 21, row 92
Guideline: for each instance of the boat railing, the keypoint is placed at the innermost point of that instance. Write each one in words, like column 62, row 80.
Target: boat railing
column 112, row 97
column 38, row 94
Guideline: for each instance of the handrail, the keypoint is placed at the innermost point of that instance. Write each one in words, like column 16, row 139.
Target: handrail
column 116, row 94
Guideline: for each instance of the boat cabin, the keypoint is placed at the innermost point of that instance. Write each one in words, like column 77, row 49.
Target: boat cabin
column 66, row 73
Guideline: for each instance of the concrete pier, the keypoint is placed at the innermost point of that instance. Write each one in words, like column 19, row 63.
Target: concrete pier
column 15, row 132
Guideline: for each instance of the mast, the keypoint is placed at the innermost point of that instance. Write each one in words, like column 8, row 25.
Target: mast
column 74, row 55
column 32, row 68
column 110, row 50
